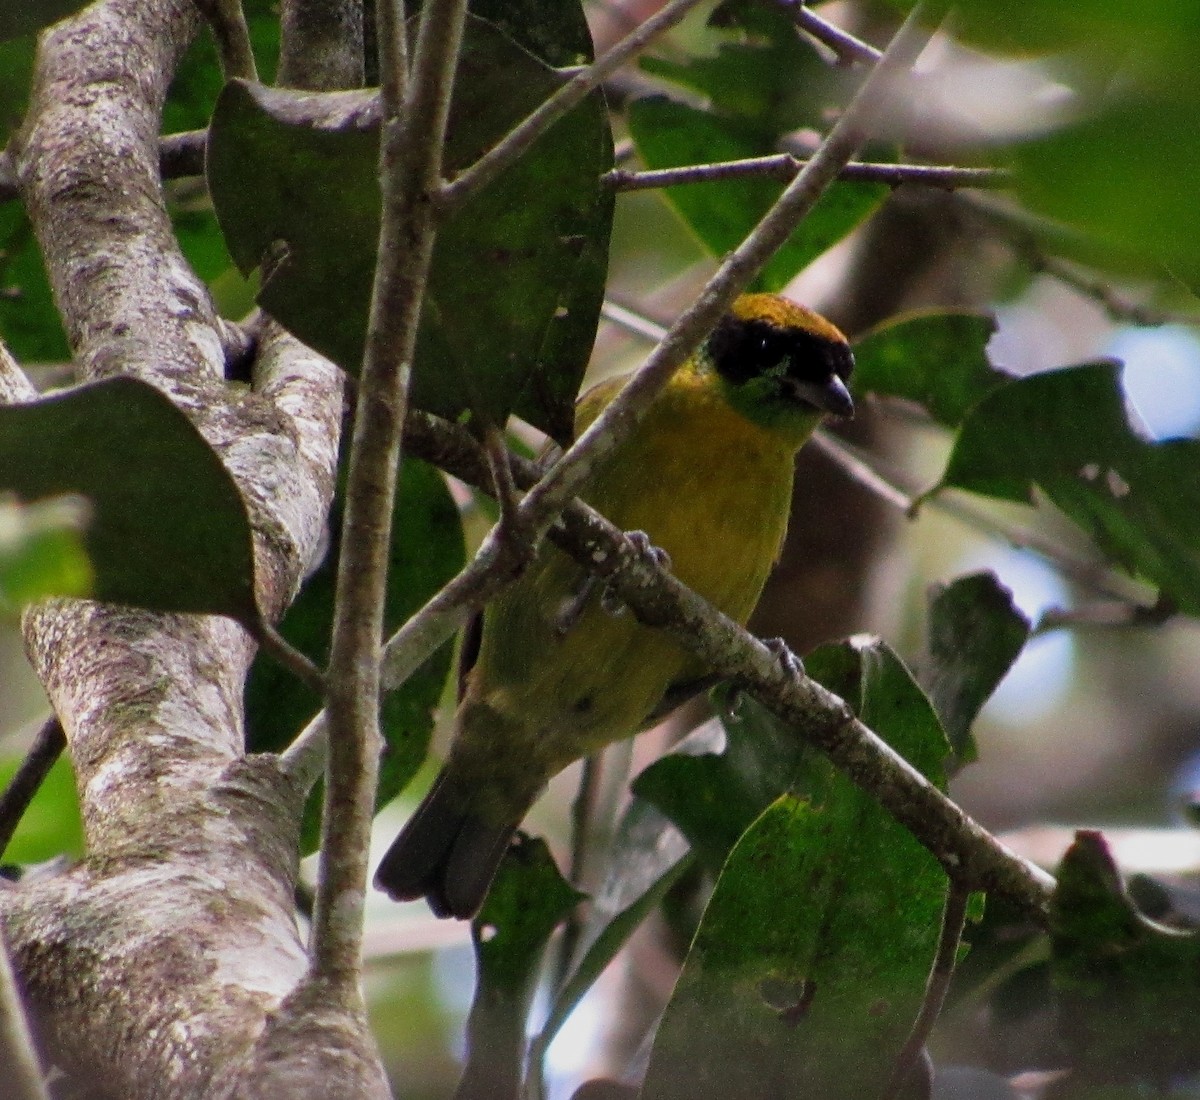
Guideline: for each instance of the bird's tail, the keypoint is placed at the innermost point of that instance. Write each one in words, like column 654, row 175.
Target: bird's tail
column 446, row 854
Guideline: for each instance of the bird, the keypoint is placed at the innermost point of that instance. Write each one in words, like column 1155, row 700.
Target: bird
column 706, row 477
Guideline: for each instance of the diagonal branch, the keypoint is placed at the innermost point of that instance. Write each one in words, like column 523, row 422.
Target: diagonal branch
column 514, row 144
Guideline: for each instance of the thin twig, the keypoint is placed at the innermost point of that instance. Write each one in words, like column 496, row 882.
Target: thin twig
column 623, row 414
column 23, row 1078
column 1117, row 307
column 47, row 747
column 887, row 485
column 1108, row 616
column 411, row 140
column 849, row 50
column 279, row 649
column 660, row 600
column 228, row 23
column 784, row 167
column 513, row 145
column 954, row 916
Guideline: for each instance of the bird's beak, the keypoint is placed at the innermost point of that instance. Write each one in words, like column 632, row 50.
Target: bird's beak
column 830, row 396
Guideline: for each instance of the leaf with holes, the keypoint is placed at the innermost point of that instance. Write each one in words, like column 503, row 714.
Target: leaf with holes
column 810, row 962
column 1067, row 433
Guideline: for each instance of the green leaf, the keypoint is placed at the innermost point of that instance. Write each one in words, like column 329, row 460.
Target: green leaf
column 765, row 74
column 528, row 900
column 1105, row 174
column 427, row 550
column 1067, row 432
column 29, row 321
column 28, row 16
column 670, row 135
column 42, row 552
column 51, row 826
column 517, row 277
column 169, row 529
column 1127, row 988
column 937, row 360
column 725, row 774
column 648, row 856
column 975, row 634
column 811, row 959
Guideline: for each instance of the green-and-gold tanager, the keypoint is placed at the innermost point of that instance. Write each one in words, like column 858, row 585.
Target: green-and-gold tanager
column 707, row 475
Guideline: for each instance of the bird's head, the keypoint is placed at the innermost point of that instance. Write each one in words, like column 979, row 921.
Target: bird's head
column 781, row 365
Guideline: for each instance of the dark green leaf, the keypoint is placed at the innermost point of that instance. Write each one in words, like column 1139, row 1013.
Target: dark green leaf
column 169, row 530
column 427, row 550
column 27, row 16
column 42, row 552
column 670, row 134
column 938, row 360
column 975, row 634
column 1127, row 988
column 16, row 73
column 1067, row 432
column 528, row 900
column 766, row 75
column 517, row 276
column 811, row 959
column 556, row 33
column 29, row 322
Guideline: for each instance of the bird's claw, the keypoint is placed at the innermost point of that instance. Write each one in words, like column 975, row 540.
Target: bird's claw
column 610, row 601
column 788, row 661
column 572, row 607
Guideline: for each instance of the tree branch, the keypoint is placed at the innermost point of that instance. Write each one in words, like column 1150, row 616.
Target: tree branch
column 785, row 167
column 411, row 139
column 970, row 854
column 513, row 145
column 849, row 50
column 321, row 44
column 23, row 1075
column 47, row 747
column 228, row 23
column 179, row 927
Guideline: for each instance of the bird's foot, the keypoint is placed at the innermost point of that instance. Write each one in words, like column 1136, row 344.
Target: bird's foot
column 788, row 661
column 610, row 601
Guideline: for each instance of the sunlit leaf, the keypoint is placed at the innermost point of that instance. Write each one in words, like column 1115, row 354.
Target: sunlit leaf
column 670, row 135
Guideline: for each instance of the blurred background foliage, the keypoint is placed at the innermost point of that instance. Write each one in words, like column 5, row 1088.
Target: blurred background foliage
column 1094, row 252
